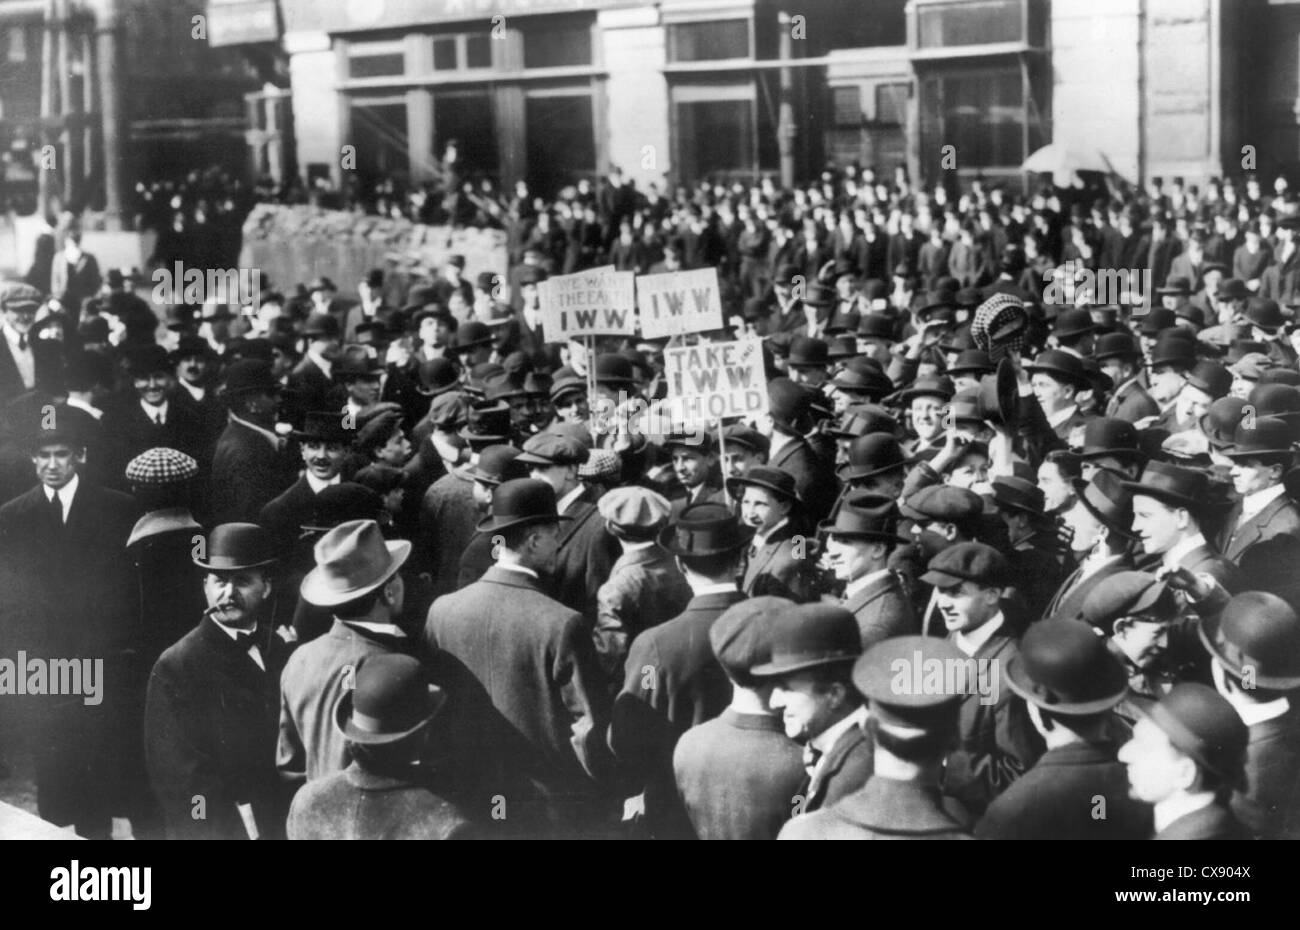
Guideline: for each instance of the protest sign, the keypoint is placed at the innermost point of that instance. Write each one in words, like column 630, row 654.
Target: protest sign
column 679, row 302
column 716, row 379
column 598, row 302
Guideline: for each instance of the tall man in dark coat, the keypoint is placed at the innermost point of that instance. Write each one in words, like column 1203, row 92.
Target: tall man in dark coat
column 533, row 660
column 250, row 466
column 673, row 681
column 1071, row 684
column 790, row 405
column 69, row 538
column 213, row 707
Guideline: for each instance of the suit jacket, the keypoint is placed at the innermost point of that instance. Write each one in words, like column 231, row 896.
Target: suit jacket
column 587, row 553
column 448, row 516
column 712, row 491
column 673, row 682
column 73, row 283
column 1204, row 560
column 1280, row 516
column 1213, row 822
column 129, row 431
column 1270, row 806
column 1131, row 402
column 998, row 743
column 211, row 718
column 813, row 477
column 739, row 776
column 776, row 569
column 314, row 678
column 882, row 610
column 1067, row 604
column 883, row 809
column 247, row 472
column 47, row 362
column 315, row 389
column 358, row 804
column 284, row 515
column 1056, row 800
column 842, row 771
column 644, row 589
column 533, row 661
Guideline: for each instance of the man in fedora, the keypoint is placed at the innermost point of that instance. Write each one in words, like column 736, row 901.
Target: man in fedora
column 356, row 578
column 323, row 443
column 250, row 465
column 491, row 468
column 1100, row 524
column 779, row 559
column 66, row 537
column 997, row 741
column 672, row 680
column 1172, row 356
column 924, row 400
column 1254, row 644
column 813, row 650
column 213, row 707
column 1110, row 443
column 312, row 379
column 645, row 587
column 789, row 422
column 738, row 774
column 1071, row 685
column 388, row 791
column 1120, row 358
column 695, row 466
column 1032, row 543
column 1169, row 507
column 1185, row 759
column 1057, row 377
column 552, row 707
column 859, row 542
column 909, row 735
column 149, row 417
column 875, row 462
column 1261, row 453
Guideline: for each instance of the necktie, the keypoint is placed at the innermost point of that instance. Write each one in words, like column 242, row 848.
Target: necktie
column 56, row 508
column 246, row 640
column 811, row 756
column 22, row 342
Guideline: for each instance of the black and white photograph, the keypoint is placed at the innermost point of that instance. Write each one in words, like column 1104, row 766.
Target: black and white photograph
column 642, row 420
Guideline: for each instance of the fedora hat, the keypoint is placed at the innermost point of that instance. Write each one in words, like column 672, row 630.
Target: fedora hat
column 1232, row 289
column 232, row 547
column 1108, row 436
column 806, row 352
column 437, row 376
column 391, row 701
column 1201, row 723
column 1172, row 484
column 810, row 636
column 356, row 362
column 1256, row 633
column 777, row 480
column 352, row 559
column 861, row 419
column 1060, row 365
column 497, row 464
column 705, row 529
column 863, row 381
column 1174, row 348
column 865, row 516
column 1116, row 345
column 1106, row 498
column 871, row 455
column 1019, row 494
column 940, row 387
column 487, row 423
column 1064, row 667
column 520, row 502
column 1176, row 286
column 972, row 361
column 323, row 426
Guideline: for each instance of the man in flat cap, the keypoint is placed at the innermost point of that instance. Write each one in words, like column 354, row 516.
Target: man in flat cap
column 739, row 775
column 997, row 741
column 1077, row 790
column 911, row 731
column 1186, row 758
column 673, row 680
column 25, row 361
column 645, row 587
column 545, row 720
column 813, row 650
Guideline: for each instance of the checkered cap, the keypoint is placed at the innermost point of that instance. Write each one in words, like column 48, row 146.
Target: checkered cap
column 601, row 463
column 1000, row 323
column 160, row 467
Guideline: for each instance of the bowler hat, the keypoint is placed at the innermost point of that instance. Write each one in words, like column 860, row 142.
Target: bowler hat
column 1110, row 437
column 1210, row 378
column 232, row 547
column 1232, row 289
column 250, row 376
column 876, row 326
column 1064, row 667
column 1175, row 286
column 323, row 426
column 391, row 700
column 1262, row 436
column 810, row 636
column 521, row 502
column 863, row 381
column 1157, row 320
column 871, row 455
column 742, row 636
column 437, row 376
column 861, row 419
column 497, row 464
column 787, row 401
column 1265, row 313
column 188, row 346
column 321, row 324
column 1019, row 494
column 1062, row 366
column 471, row 335
column 1116, row 345
column 747, row 438
column 705, row 529
column 1275, row 400
column 1106, row 498
column 1256, row 635
column 806, row 352
column 777, row 480
column 819, row 295
column 1202, row 724
column 940, row 387
column 356, row 362
column 865, row 516
column 147, row 360
column 614, row 369
column 1074, row 323
column 1176, row 347
column 1219, row 422
column 352, row 559
column 842, row 347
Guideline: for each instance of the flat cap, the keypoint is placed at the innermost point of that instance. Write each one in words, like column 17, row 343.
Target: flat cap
column 1129, row 594
column 15, row 295
column 635, row 508
column 551, row 449
column 968, row 561
column 892, row 675
column 742, row 636
column 161, row 466
column 810, row 636
column 942, row 502
column 601, row 463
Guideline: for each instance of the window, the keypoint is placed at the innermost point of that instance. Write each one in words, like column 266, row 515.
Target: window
column 557, row 47
column 444, row 53
column 17, row 44
column 715, row 137
column 462, row 51
column 982, row 113
column 977, row 22
column 376, row 59
column 709, row 41
column 846, row 103
column 891, row 104
column 478, row 51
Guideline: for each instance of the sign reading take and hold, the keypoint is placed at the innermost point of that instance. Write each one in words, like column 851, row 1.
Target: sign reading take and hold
column 679, row 302
column 599, row 302
column 713, row 380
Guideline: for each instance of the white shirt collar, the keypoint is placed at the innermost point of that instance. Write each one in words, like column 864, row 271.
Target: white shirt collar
column 153, row 412
column 269, row 434
column 854, row 587
column 1181, row 548
column 637, row 546
column 1056, row 419
column 321, row 361
column 82, row 405
column 66, row 494
column 827, row 738
column 722, row 587
column 12, row 336
column 197, row 393
column 971, row 643
column 317, row 485
column 1253, row 712
column 1253, row 503
column 387, row 629
column 1177, row 806
column 565, row 502
column 760, row 539
column 512, row 567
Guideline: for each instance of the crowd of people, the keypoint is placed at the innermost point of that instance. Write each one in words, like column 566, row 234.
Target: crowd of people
column 408, row 567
